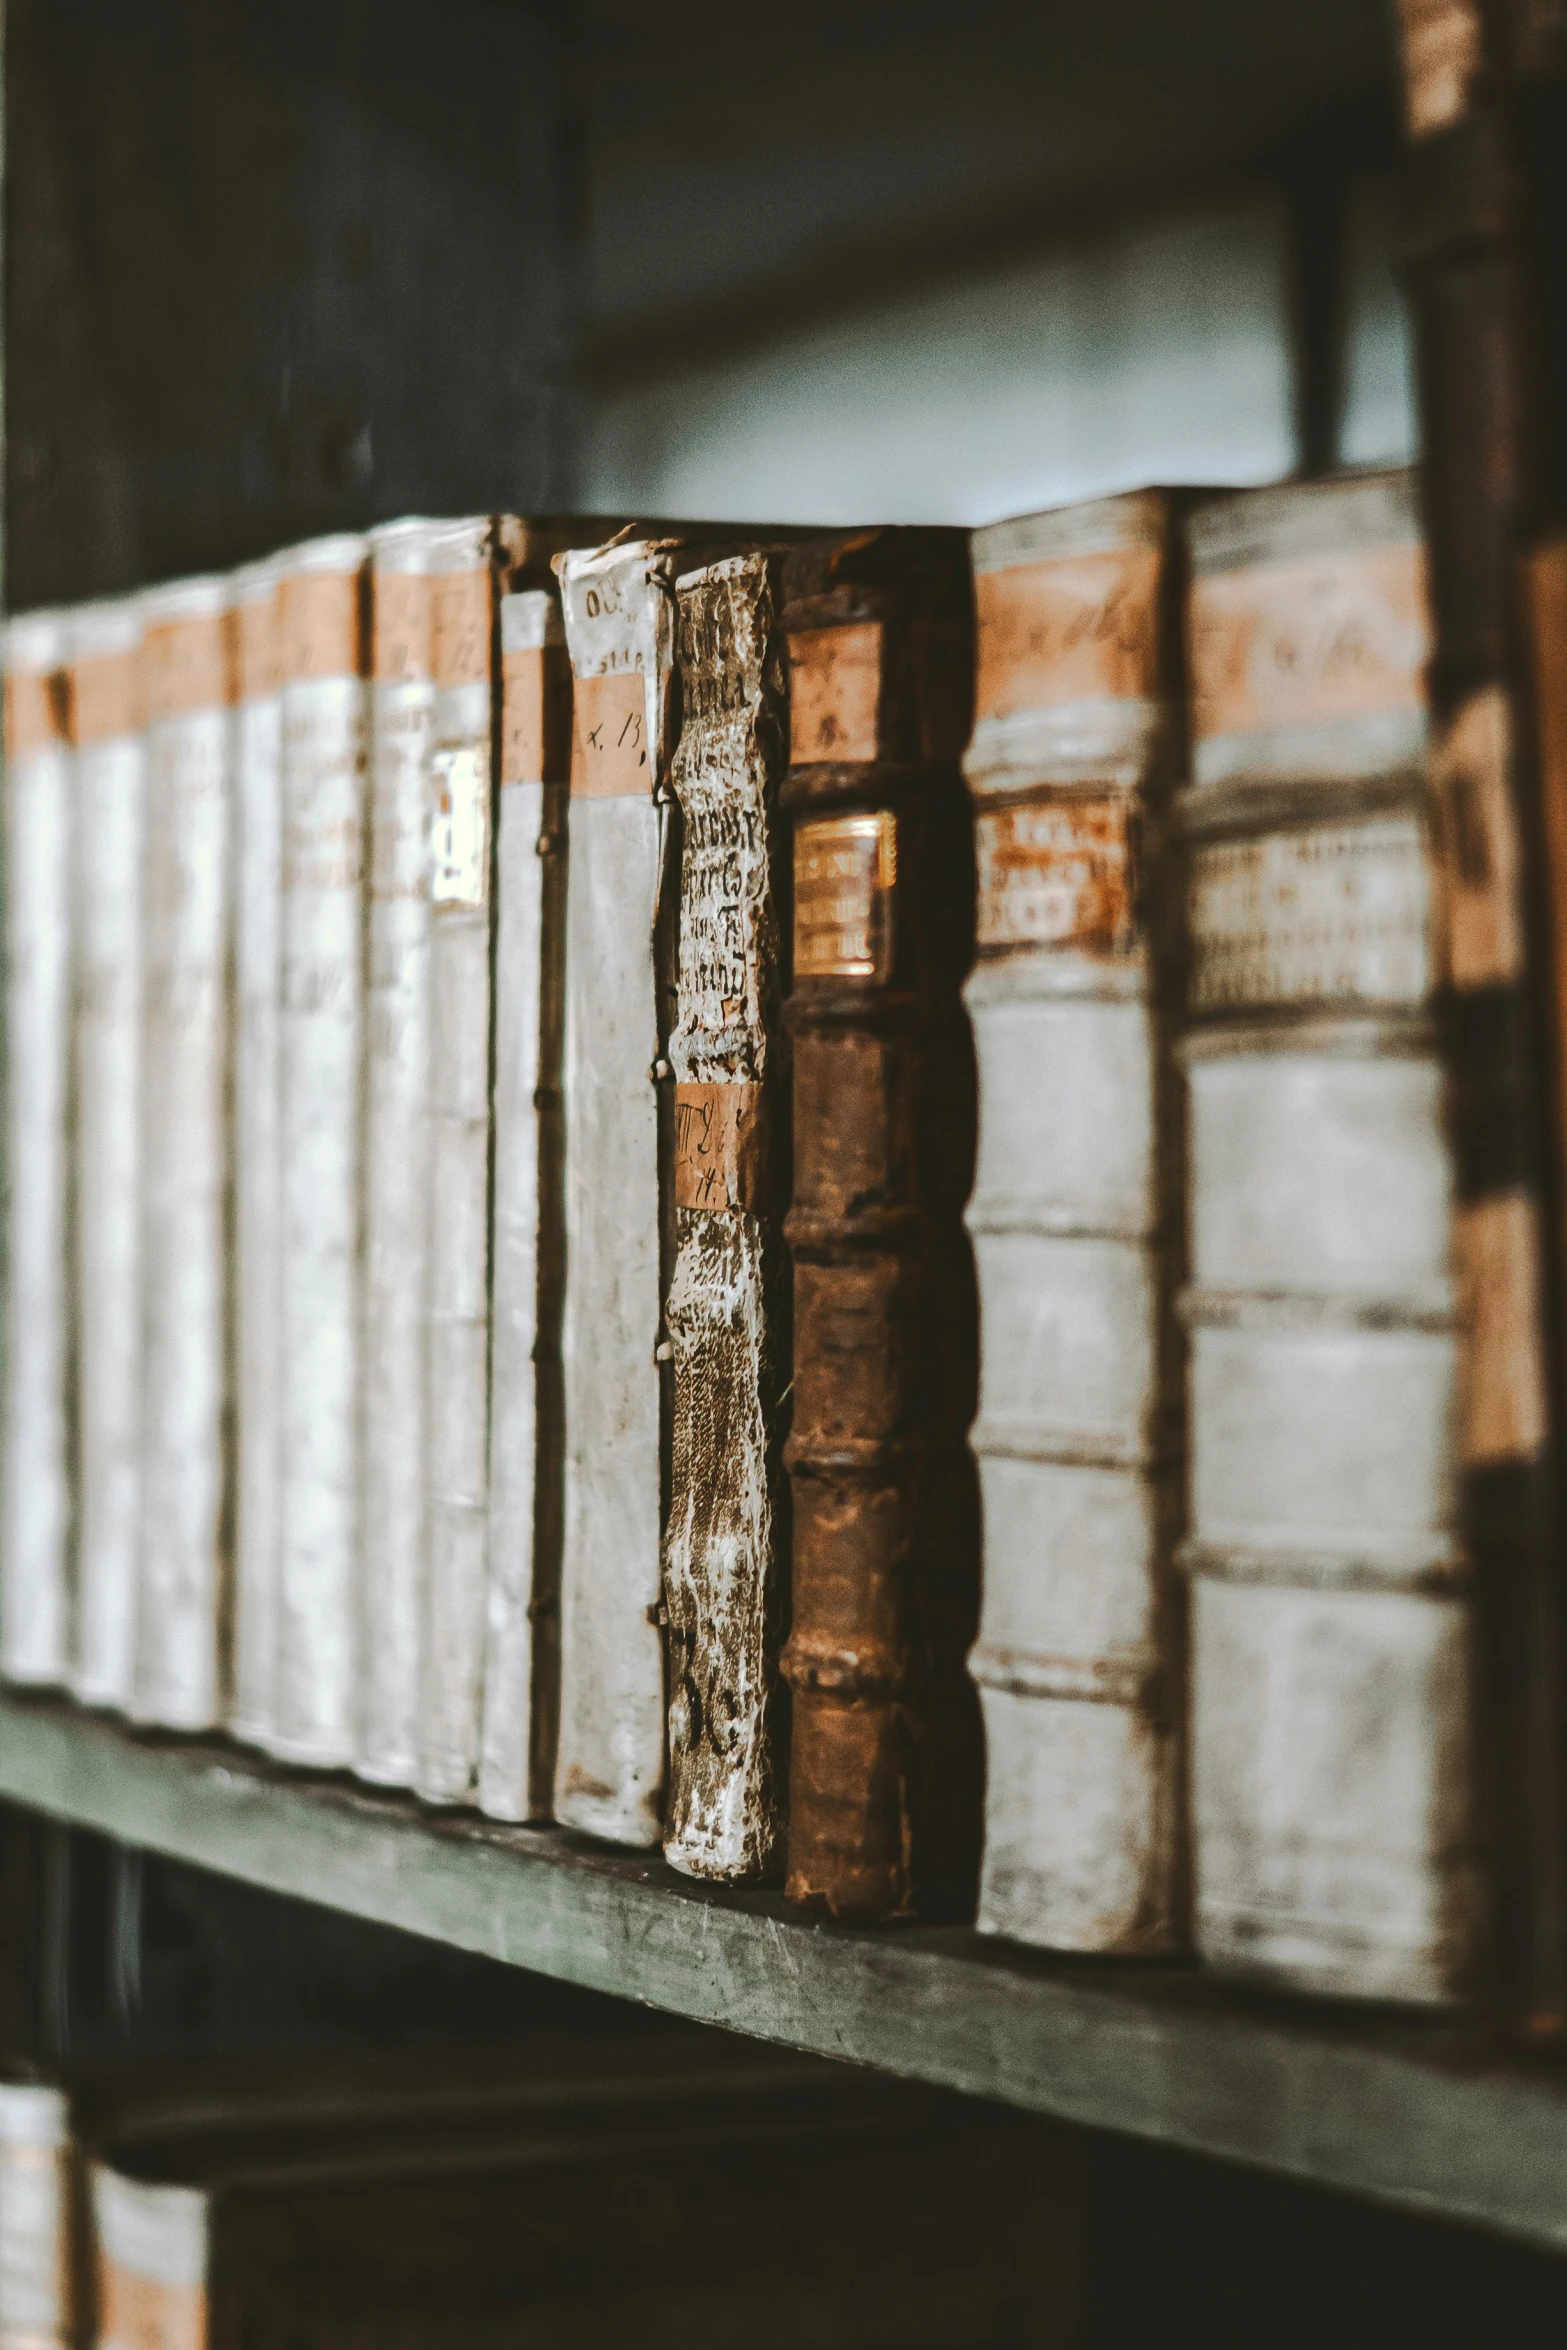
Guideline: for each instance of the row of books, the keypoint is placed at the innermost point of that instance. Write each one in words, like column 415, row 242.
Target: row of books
column 525, row 2193
column 503, row 1053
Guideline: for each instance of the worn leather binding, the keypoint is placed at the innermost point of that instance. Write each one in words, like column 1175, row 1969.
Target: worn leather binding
column 1483, row 87
column 726, row 1304
column 884, row 1757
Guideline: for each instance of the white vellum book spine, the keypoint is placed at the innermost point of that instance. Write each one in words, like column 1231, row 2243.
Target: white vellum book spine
column 528, row 855
column 396, row 1159
column 38, row 2267
column 609, row 1775
column 258, row 890
column 185, row 1074
column 457, row 1327
column 1077, row 1434
column 1330, row 1737
column 153, row 2250
column 325, row 788
column 107, row 826
column 35, row 1596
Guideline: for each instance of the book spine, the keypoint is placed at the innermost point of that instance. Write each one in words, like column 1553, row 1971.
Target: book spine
column 185, row 1526
column 392, row 1528
column 153, row 2253
column 1075, row 1222
column 35, row 1592
column 1484, row 94
column 457, row 1325
column 38, row 2267
column 521, row 1666
column 325, row 763
column 609, row 1773
column 884, row 1754
column 726, row 1307
column 258, row 884
column 108, row 810
column 1334, row 1351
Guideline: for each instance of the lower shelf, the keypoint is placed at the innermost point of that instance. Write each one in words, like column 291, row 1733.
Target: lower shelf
column 1423, row 2115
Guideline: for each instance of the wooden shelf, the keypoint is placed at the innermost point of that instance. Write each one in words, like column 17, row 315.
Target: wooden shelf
column 1422, row 2115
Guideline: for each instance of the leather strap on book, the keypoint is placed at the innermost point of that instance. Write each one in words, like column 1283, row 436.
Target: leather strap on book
column 719, row 1146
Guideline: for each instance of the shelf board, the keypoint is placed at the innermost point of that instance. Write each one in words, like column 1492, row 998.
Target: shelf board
column 1420, row 2114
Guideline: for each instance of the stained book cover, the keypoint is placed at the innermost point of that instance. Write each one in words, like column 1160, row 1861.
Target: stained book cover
column 1365, row 1346
column 726, row 1307
column 1076, row 1222
column 179, row 1679
column 884, row 1781
column 109, row 789
column 35, row 1474
column 257, row 1186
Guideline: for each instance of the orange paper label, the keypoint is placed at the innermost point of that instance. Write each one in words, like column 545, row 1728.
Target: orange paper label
column 1057, row 873
column 1081, row 629
column 535, row 700
column 105, row 696
column 845, row 871
column 460, row 627
column 260, row 650
column 1496, row 1254
column 609, row 752
column 187, row 665
column 1305, row 643
column 143, row 2313
column 401, row 630
column 718, row 1146
column 835, row 693
column 1441, row 44
column 320, row 619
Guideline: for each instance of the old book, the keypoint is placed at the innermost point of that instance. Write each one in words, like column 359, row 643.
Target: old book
column 107, row 814
column 36, row 1504
column 39, row 2307
column 618, row 610
column 396, row 1155
column 185, row 1073
column 726, row 1304
column 517, row 1749
column 467, row 560
column 258, row 891
column 413, row 2222
column 1484, row 92
column 325, row 787
column 1076, row 1223
column 884, row 1771
column 1363, row 1337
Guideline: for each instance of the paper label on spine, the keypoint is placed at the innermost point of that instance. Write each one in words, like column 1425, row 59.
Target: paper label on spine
column 609, row 736
column 1077, row 629
column 522, row 715
column 460, row 843
column 1441, row 42
column 845, row 873
column 460, row 627
column 143, row 2313
column 1309, row 642
column 1059, row 873
column 106, row 697
column 835, row 693
column 1339, row 912
column 401, row 650
column 1496, row 1254
column 718, row 1145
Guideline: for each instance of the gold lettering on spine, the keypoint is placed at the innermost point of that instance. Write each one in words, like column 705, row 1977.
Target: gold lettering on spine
column 845, row 872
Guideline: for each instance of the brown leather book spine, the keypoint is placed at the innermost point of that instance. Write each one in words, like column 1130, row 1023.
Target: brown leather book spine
column 1476, row 75
column 885, row 1769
